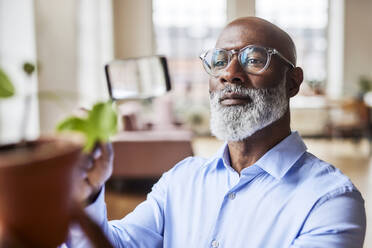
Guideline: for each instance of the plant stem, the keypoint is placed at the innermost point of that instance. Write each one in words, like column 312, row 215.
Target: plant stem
column 25, row 114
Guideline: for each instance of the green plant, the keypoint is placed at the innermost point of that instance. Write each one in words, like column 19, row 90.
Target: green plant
column 365, row 84
column 316, row 85
column 6, row 86
column 98, row 126
column 28, row 68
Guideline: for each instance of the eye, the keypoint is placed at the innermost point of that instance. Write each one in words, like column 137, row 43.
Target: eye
column 219, row 63
column 254, row 61
column 219, row 59
column 253, row 57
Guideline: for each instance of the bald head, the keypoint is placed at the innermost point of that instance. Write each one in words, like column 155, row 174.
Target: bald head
column 254, row 30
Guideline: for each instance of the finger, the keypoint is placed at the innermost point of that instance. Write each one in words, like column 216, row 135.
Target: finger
column 86, row 162
column 97, row 152
column 107, row 149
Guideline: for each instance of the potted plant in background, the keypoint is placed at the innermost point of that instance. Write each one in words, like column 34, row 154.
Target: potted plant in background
column 317, row 86
column 37, row 177
column 6, row 86
column 365, row 90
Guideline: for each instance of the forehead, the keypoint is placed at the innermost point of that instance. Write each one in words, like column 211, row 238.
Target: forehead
column 239, row 36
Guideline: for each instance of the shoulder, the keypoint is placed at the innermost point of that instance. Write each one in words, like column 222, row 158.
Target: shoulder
column 189, row 170
column 183, row 170
column 333, row 205
column 323, row 180
column 189, row 165
column 324, row 172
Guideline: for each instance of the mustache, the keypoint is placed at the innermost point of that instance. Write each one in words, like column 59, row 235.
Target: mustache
column 237, row 91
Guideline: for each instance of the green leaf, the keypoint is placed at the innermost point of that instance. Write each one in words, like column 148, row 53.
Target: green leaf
column 100, row 124
column 28, row 68
column 103, row 120
column 73, row 124
column 89, row 144
column 6, row 86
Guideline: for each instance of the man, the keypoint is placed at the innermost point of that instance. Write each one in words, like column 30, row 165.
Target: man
column 262, row 189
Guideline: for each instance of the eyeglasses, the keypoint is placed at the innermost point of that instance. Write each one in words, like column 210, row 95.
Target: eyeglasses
column 253, row 59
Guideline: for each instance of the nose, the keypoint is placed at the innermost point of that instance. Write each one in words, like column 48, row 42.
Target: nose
column 233, row 73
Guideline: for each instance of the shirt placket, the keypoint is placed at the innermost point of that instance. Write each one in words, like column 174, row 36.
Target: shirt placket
column 246, row 178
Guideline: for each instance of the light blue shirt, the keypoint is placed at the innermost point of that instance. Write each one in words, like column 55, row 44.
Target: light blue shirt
column 288, row 198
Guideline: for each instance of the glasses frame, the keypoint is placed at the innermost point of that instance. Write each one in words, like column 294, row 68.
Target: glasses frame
column 269, row 51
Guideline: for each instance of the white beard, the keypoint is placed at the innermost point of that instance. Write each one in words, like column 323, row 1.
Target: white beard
column 237, row 122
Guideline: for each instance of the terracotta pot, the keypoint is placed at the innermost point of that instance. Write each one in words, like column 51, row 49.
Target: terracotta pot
column 36, row 190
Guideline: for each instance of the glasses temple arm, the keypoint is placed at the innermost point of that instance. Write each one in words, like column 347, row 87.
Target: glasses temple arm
column 284, row 58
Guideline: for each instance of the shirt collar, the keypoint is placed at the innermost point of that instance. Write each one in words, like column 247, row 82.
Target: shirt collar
column 221, row 158
column 277, row 161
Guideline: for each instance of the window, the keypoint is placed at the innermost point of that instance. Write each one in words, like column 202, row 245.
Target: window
column 183, row 29
column 306, row 22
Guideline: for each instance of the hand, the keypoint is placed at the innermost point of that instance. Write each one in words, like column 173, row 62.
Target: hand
column 95, row 170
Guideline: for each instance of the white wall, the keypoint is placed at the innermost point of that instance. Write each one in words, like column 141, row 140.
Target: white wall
column 17, row 45
column 56, row 41
column 335, row 56
column 358, row 43
column 240, row 8
column 133, row 29
column 74, row 42
column 349, row 47
column 95, row 49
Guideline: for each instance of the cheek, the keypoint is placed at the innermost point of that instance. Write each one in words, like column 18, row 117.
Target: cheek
column 270, row 78
column 213, row 84
column 266, row 80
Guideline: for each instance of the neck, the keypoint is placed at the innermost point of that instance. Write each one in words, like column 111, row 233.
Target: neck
column 246, row 152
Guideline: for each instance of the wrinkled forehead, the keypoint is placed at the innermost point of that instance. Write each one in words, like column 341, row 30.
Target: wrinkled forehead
column 239, row 36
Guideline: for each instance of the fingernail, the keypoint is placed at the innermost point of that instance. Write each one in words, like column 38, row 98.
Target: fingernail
column 97, row 153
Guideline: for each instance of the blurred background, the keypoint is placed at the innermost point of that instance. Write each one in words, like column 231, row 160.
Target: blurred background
column 70, row 41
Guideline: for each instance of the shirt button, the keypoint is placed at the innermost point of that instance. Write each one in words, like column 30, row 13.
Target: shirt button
column 232, row 196
column 215, row 244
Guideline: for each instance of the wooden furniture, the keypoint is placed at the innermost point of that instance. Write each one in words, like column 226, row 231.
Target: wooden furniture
column 320, row 117
column 148, row 154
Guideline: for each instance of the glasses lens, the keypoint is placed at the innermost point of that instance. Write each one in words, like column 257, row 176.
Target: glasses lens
column 216, row 60
column 253, row 59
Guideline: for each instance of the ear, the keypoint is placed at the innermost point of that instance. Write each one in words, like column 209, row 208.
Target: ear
column 295, row 78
